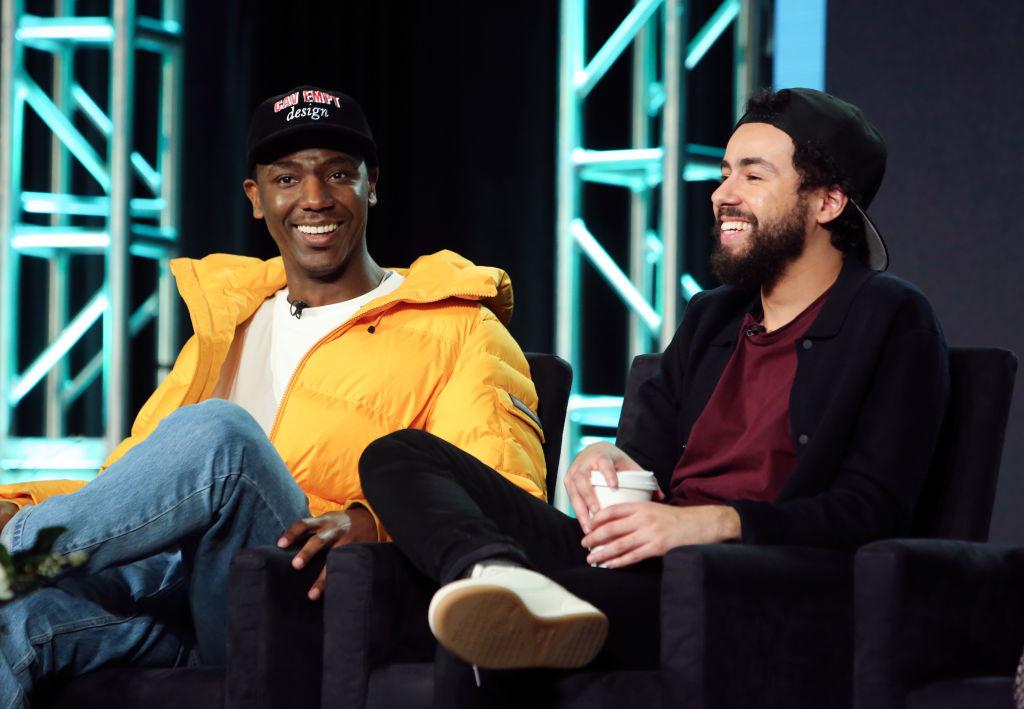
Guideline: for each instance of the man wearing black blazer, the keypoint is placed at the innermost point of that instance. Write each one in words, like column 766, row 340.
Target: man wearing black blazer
column 799, row 403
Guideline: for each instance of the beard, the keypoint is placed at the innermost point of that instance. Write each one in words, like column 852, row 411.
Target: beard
column 771, row 249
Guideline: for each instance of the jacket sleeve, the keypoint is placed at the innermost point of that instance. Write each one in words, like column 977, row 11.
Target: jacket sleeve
column 888, row 457
column 648, row 429
column 488, row 406
column 149, row 416
column 32, row 493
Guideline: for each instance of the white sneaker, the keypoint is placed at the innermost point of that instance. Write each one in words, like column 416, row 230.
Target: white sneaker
column 506, row 617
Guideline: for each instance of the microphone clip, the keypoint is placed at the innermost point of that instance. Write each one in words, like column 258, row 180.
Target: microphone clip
column 295, row 308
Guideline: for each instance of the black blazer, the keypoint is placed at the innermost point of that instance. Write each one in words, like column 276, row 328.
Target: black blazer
column 865, row 409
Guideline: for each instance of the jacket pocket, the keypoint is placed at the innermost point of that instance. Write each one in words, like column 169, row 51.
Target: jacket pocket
column 515, row 407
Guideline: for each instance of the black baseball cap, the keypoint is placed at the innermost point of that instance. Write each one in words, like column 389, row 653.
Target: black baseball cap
column 840, row 130
column 309, row 117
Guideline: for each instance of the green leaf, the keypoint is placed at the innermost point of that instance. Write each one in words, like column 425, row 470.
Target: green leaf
column 46, row 539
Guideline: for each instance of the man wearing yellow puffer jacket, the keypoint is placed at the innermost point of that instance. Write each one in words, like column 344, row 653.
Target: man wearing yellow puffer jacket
column 299, row 362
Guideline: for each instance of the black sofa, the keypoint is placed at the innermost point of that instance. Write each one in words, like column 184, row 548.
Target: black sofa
column 939, row 624
column 741, row 626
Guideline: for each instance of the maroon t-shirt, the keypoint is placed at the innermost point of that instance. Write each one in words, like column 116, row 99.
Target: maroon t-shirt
column 740, row 447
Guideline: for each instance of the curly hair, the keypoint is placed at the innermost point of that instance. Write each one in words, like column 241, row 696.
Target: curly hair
column 816, row 169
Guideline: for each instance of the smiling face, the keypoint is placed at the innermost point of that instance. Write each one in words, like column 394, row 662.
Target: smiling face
column 761, row 218
column 315, row 203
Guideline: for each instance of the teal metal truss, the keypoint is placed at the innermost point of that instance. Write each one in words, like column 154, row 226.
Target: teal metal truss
column 121, row 205
column 654, row 285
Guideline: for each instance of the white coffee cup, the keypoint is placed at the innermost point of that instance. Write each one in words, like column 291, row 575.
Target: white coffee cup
column 634, row 486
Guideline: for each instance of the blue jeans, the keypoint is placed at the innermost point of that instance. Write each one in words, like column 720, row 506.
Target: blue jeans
column 160, row 527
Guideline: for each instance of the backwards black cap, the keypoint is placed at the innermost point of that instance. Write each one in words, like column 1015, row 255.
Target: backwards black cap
column 840, row 130
column 309, row 117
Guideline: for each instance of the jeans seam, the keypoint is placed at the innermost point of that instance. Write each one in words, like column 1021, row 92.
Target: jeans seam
column 68, row 629
column 85, row 546
column 259, row 492
column 18, row 700
column 19, row 525
column 106, row 620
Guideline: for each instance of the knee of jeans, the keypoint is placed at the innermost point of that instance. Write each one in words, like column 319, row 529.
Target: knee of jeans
column 222, row 418
column 227, row 426
column 379, row 457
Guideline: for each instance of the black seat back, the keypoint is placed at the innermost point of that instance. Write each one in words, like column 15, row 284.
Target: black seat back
column 552, row 376
column 958, row 496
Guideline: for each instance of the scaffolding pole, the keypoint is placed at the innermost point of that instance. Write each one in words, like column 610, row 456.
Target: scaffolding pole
column 654, row 285
column 132, row 210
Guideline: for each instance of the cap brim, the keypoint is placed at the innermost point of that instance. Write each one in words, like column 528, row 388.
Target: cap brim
column 878, row 254
column 301, row 136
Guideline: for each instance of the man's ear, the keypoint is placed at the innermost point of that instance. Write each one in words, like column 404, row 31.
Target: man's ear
column 833, row 203
column 252, row 191
column 371, row 175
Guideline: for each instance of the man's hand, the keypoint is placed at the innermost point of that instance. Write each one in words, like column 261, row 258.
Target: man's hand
column 327, row 531
column 7, row 511
column 633, row 531
column 608, row 460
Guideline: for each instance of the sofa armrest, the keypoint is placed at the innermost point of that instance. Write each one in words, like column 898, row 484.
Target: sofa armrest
column 762, row 626
column 928, row 610
column 275, row 633
column 375, row 612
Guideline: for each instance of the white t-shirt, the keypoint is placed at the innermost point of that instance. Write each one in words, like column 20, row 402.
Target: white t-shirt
column 274, row 342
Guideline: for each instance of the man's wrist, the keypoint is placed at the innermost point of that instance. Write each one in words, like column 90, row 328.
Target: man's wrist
column 729, row 526
column 363, row 523
column 358, row 510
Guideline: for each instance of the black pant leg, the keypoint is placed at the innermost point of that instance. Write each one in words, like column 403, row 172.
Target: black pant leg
column 446, row 510
column 631, row 598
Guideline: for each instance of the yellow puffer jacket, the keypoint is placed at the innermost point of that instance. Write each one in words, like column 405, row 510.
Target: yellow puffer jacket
column 434, row 354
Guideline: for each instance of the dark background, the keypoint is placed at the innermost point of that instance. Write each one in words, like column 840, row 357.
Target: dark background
column 943, row 80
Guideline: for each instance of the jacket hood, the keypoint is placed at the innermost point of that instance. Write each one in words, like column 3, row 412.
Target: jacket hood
column 223, row 290
column 445, row 274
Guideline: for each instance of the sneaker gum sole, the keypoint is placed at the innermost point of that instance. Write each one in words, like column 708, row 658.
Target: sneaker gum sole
column 517, row 637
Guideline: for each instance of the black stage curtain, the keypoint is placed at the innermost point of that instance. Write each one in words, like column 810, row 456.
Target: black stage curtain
column 938, row 80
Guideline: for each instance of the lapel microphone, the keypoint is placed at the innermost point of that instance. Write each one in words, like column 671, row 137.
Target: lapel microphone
column 751, row 330
column 295, row 308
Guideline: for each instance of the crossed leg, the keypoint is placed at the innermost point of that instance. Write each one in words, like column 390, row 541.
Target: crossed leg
column 160, row 527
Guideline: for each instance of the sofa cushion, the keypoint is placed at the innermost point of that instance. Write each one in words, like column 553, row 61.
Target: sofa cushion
column 969, row 693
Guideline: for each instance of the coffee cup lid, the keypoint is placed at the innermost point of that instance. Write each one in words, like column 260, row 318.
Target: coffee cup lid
column 632, row 479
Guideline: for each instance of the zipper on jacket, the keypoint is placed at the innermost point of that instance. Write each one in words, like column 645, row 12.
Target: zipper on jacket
column 340, row 330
